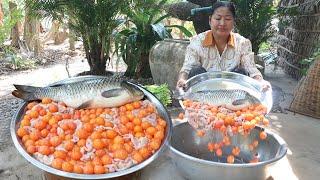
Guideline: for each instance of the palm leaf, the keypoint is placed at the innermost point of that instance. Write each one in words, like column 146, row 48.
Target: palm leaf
column 183, row 29
column 161, row 18
column 160, row 30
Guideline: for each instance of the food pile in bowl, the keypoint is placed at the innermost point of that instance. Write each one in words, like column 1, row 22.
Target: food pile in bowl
column 220, row 105
column 227, row 123
column 84, row 138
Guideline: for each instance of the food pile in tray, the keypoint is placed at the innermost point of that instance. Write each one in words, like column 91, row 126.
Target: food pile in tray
column 91, row 141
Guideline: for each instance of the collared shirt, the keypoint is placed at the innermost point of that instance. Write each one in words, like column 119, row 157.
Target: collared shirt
column 202, row 51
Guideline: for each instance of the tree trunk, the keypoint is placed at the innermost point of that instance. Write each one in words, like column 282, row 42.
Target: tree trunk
column 1, row 14
column 60, row 37
column 96, row 62
column 72, row 38
column 203, row 3
column 15, row 35
column 31, row 33
column 55, row 35
column 143, row 67
column 52, row 32
column 131, row 62
column 181, row 10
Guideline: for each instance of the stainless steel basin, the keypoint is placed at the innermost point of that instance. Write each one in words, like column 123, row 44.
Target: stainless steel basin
column 229, row 80
column 193, row 160
column 18, row 144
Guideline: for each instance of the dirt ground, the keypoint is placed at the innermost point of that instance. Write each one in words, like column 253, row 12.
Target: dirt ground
column 301, row 133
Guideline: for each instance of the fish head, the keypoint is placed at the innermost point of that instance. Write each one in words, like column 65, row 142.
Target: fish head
column 252, row 99
column 247, row 99
column 191, row 96
column 135, row 92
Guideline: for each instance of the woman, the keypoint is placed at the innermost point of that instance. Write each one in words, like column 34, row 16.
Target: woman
column 219, row 49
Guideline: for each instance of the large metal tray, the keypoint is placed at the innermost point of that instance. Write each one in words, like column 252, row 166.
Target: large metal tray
column 15, row 123
column 229, row 80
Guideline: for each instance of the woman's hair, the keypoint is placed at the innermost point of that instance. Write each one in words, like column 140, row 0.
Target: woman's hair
column 226, row 4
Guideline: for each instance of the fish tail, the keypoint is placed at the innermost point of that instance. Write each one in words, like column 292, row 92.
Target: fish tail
column 25, row 92
column 179, row 94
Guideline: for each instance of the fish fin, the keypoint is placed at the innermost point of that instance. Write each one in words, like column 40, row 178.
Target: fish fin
column 25, row 88
column 24, row 92
column 177, row 95
column 78, row 79
column 112, row 93
column 57, row 85
column 85, row 104
column 239, row 102
column 237, row 107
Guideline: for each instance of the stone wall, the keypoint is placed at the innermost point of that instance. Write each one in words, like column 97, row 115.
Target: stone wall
column 166, row 59
column 299, row 33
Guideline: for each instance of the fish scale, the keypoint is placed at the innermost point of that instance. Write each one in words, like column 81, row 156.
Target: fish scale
column 222, row 97
column 90, row 92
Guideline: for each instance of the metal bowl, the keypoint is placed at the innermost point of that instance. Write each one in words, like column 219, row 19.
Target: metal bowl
column 193, row 160
column 229, row 80
column 15, row 123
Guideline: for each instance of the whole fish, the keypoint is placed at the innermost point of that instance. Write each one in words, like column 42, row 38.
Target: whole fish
column 234, row 99
column 92, row 92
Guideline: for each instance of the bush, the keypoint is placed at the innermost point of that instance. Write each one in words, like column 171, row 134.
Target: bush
column 253, row 20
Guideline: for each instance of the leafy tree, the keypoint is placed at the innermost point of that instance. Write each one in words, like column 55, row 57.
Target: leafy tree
column 143, row 29
column 253, row 20
column 91, row 20
column 9, row 21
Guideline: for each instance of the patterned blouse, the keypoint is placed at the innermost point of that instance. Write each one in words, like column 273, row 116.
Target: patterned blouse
column 202, row 51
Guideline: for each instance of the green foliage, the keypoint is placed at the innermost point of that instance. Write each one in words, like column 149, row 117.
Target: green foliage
column 292, row 11
column 93, row 21
column 8, row 52
column 308, row 61
column 97, row 22
column 9, row 21
column 253, row 20
column 190, row 28
column 264, row 47
column 162, row 92
column 142, row 29
column 18, row 63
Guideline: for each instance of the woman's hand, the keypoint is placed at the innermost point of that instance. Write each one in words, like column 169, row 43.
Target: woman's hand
column 265, row 84
column 181, row 84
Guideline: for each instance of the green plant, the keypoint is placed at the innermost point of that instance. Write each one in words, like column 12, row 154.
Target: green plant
column 19, row 63
column 141, row 30
column 253, row 20
column 162, row 92
column 308, row 61
column 9, row 21
column 92, row 20
column 264, row 47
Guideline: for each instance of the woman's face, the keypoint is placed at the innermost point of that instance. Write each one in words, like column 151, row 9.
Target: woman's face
column 222, row 21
